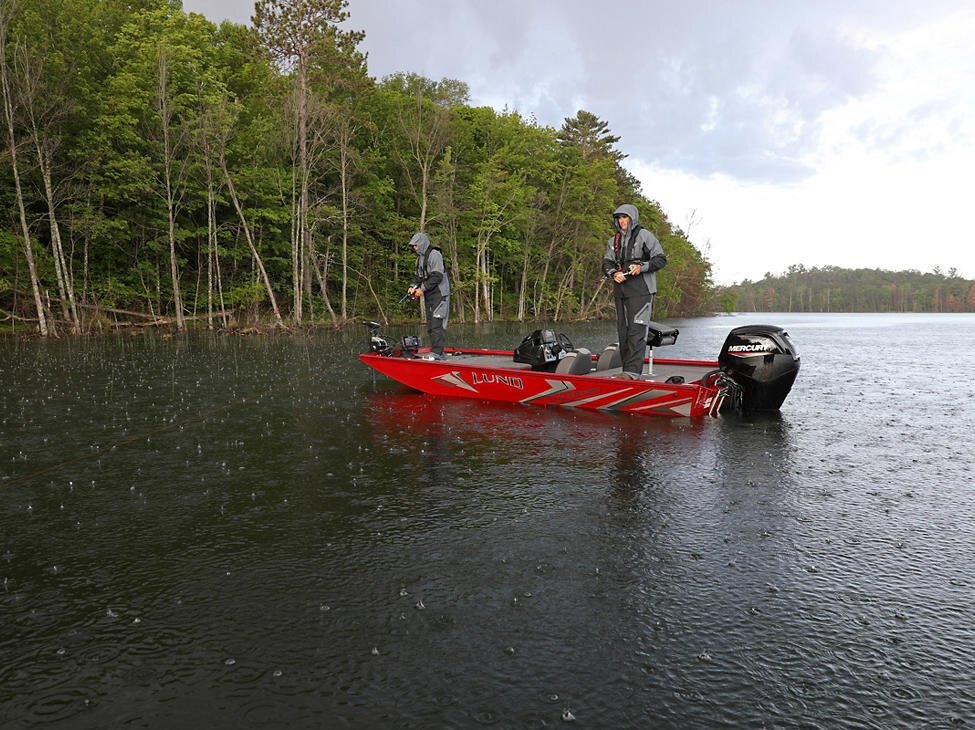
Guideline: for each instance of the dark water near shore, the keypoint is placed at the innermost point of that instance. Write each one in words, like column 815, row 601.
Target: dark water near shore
column 257, row 532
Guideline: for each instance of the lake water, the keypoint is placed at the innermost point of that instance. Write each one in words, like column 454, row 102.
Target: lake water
column 230, row 532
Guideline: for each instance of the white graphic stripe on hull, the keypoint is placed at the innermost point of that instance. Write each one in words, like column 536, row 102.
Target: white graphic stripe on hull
column 555, row 386
column 455, row 380
column 682, row 406
column 600, row 396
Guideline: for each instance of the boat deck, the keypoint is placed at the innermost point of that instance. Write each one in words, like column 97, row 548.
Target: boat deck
column 662, row 368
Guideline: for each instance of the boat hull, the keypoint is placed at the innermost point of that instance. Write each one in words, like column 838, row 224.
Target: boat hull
column 492, row 375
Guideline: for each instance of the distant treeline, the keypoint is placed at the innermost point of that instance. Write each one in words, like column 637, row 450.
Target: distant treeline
column 159, row 168
column 832, row 289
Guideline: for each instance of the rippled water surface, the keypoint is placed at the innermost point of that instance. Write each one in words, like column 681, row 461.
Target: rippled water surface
column 250, row 532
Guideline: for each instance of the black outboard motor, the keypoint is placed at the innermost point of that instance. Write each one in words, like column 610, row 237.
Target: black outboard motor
column 762, row 360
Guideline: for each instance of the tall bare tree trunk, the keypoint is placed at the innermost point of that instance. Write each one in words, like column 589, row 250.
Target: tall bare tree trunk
column 29, row 74
column 345, row 143
column 302, row 251
column 565, row 289
column 444, row 183
column 250, row 239
column 482, row 288
column 556, row 224
column 303, row 36
column 485, row 279
column 426, row 128
column 215, row 125
column 523, row 284
column 64, row 275
column 321, row 274
column 211, row 241
column 295, row 246
column 8, row 110
column 424, row 183
column 165, row 117
column 216, row 266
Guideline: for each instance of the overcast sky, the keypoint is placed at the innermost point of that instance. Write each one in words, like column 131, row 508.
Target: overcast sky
column 775, row 132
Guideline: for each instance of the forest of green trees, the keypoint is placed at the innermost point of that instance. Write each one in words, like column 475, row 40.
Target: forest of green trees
column 832, row 289
column 161, row 169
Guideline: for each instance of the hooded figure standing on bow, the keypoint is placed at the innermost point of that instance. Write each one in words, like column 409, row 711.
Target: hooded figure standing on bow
column 431, row 283
column 632, row 257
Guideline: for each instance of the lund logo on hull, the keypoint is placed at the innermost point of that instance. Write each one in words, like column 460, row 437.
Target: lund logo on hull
column 509, row 380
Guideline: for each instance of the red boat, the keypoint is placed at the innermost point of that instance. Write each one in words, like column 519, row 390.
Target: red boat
column 755, row 370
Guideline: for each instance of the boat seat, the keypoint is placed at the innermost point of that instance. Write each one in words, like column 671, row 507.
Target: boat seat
column 575, row 362
column 609, row 358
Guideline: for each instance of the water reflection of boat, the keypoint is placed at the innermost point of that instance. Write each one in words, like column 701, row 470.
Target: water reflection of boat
column 405, row 411
column 754, row 372
column 402, row 421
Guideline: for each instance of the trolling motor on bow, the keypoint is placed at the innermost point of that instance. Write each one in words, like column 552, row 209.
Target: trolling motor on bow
column 381, row 346
column 761, row 364
column 377, row 343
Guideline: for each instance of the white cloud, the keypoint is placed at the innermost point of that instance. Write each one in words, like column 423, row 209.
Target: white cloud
column 891, row 181
column 873, row 214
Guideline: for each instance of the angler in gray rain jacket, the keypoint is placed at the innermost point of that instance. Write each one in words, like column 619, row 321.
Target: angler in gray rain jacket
column 633, row 256
column 431, row 282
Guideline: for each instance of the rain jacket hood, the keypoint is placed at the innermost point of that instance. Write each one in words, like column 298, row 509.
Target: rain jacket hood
column 422, row 242
column 631, row 211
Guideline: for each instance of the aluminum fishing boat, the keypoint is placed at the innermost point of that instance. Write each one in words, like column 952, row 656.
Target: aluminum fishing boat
column 755, row 370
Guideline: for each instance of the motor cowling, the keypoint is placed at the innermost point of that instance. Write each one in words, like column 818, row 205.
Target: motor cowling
column 762, row 360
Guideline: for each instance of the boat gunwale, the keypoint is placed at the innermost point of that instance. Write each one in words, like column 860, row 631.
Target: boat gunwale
column 507, row 353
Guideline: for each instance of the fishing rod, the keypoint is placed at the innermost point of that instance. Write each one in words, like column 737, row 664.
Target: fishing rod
column 404, row 297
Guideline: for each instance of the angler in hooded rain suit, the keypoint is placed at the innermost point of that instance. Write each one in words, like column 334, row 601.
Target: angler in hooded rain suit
column 431, row 282
column 633, row 255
